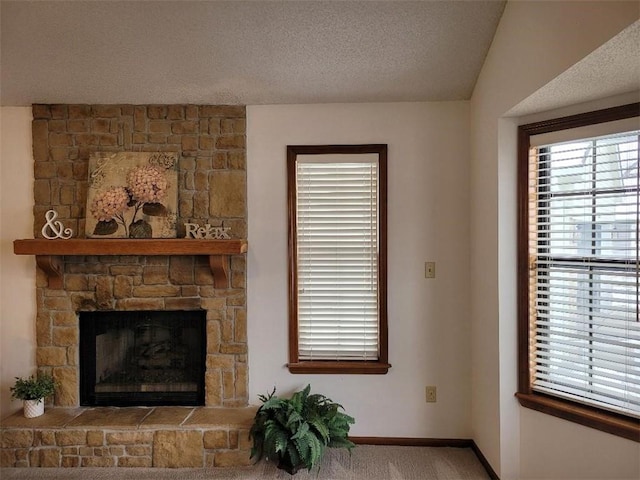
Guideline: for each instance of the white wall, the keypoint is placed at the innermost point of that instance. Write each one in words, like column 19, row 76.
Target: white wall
column 17, row 273
column 535, row 42
column 428, row 220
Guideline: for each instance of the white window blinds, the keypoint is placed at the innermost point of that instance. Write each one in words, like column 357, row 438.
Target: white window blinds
column 337, row 258
column 584, row 209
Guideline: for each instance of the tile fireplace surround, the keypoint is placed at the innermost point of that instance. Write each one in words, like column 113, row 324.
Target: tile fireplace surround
column 210, row 142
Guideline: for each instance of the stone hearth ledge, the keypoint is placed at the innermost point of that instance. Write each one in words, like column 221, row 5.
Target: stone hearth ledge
column 164, row 437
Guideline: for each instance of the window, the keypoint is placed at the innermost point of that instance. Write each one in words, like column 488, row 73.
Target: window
column 337, row 258
column 579, row 269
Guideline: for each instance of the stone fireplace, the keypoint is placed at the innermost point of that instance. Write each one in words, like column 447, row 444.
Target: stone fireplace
column 210, row 141
column 84, row 288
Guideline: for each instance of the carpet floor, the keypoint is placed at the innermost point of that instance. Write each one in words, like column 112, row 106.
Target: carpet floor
column 366, row 462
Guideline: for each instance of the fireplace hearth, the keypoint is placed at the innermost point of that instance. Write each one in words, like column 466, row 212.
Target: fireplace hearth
column 142, row 358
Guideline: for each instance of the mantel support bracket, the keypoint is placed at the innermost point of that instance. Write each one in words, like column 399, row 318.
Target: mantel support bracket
column 219, row 265
column 51, row 265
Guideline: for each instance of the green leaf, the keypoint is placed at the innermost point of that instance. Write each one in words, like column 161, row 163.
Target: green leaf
column 154, row 209
column 105, row 227
column 140, row 229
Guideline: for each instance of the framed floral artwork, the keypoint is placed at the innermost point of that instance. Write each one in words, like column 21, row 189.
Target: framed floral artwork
column 132, row 195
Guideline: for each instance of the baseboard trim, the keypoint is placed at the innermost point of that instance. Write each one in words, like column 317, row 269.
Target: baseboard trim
column 483, row 460
column 413, row 442
column 430, row 442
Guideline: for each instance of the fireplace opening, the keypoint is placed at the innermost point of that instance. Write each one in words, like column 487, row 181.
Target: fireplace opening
column 143, row 358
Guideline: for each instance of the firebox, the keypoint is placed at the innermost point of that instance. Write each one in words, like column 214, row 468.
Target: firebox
column 142, row 358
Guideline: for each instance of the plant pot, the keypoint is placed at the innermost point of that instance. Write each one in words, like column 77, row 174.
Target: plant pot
column 285, row 464
column 33, row 408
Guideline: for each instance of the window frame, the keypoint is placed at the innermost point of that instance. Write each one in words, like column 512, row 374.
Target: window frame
column 295, row 365
column 604, row 420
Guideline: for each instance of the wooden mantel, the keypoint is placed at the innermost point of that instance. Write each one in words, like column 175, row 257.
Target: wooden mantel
column 48, row 253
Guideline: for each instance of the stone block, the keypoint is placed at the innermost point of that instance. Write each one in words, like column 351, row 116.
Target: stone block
column 44, row 170
column 182, row 303
column 75, row 282
column 57, row 303
column 175, row 112
column 95, row 438
column 70, row 450
column 240, row 325
column 137, row 462
column 213, row 387
column 213, row 337
column 129, row 438
column 178, row 449
column 201, row 180
column 192, row 112
column 117, row 451
column 159, row 126
column 67, row 390
column 122, row 286
column 107, row 139
column 140, row 304
column 60, row 139
column 224, row 362
column 79, row 111
column 156, row 291
column 222, row 111
column 207, row 142
column 242, row 380
column 51, row 356
column 185, row 127
column 181, row 270
column 233, row 348
column 155, row 275
column 47, row 438
column 106, row 111
column 189, row 143
column 228, row 384
column 157, row 111
column 201, row 205
column 232, row 458
column 216, row 439
column 238, row 280
column 71, row 437
column 98, row 461
column 43, row 330
column 100, row 125
column 42, row 191
column 138, row 450
column 237, row 160
column 65, row 336
column 49, row 457
column 41, row 111
column 227, row 194
column 59, row 111
column 78, row 125
column 17, row 438
column 70, row 461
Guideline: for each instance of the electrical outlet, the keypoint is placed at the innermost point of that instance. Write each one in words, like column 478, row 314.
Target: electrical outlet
column 429, row 269
column 430, row 394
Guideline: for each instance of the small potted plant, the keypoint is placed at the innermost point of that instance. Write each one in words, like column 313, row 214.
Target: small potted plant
column 295, row 432
column 32, row 391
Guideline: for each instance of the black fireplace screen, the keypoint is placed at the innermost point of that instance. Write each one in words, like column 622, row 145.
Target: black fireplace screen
column 142, row 358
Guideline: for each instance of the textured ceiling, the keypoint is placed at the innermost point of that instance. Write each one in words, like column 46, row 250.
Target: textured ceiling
column 242, row 52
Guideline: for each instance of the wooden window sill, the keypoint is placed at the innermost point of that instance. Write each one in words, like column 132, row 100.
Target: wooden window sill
column 341, row 367
column 619, row 425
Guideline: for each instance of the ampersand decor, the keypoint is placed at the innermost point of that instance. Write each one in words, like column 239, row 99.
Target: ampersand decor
column 55, row 227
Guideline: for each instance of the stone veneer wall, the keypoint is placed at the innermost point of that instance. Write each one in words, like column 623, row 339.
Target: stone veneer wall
column 210, row 141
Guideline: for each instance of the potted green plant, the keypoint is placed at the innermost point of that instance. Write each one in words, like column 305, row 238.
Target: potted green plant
column 32, row 391
column 294, row 432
